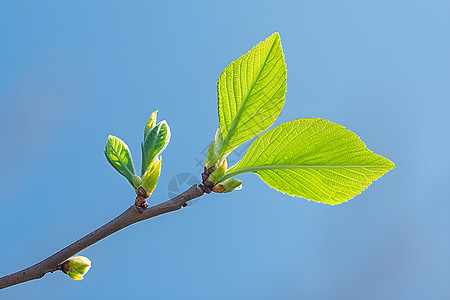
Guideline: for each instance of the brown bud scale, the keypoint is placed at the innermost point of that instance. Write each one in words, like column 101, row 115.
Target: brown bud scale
column 218, row 188
column 65, row 267
column 141, row 195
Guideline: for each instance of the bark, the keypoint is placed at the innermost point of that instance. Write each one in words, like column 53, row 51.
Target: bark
column 132, row 215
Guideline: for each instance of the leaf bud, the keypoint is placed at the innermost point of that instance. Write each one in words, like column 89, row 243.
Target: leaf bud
column 76, row 267
column 136, row 181
column 228, row 185
column 212, row 156
column 217, row 174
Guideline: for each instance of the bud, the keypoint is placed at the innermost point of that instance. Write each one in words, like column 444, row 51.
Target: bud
column 212, row 156
column 151, row 176
column 150, row 123
column 76, row 267
column 218, row 173
column 228, row 185
column 136, row 181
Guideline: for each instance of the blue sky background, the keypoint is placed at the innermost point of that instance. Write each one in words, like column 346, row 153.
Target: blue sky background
column 73, row 72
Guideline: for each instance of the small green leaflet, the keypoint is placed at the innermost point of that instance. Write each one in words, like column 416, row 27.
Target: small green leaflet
column 151, row 176
column 313, row 158
column 154, row 143
column 150, row 123
column 251, row 93
column 119, row 157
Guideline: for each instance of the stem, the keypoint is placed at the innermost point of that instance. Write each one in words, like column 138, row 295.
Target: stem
column 130, row 216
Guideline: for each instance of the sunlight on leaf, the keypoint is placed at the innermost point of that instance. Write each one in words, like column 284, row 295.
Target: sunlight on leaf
column 154, row 143
column 151, row 123
column 151, row 176
column 251, row 93
column 313, row 158
column 119, row 157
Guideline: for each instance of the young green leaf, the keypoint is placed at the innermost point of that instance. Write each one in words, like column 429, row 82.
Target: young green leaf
column 151, row 176
column 313, row 158
column 119, row 157
column 150, row 123
column 154, row 143
column 251, row 93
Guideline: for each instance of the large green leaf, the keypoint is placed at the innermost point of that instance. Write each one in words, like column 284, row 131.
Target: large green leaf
column 251, row 93
column 154, row 143
column 119, row 157
column 313, row 158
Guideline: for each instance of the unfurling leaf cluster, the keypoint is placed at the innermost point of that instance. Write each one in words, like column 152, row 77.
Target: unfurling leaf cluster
column 156, row 138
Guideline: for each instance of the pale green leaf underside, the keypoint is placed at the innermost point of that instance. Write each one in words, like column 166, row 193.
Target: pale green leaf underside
column 119, row 157
column 313, row 158
column 251, row 93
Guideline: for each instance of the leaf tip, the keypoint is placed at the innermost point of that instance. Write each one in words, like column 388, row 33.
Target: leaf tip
column 392, row 165
column 164, row 122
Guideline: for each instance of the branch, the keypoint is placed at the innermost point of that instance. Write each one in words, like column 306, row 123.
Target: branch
column 130, row 216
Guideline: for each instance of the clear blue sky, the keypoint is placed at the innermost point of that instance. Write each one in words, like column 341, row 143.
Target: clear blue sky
column 73, row 72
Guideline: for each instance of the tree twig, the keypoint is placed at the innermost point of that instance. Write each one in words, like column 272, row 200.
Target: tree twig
column 132, row 215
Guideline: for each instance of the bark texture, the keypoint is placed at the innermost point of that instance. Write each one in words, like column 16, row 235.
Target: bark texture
column 130, row 216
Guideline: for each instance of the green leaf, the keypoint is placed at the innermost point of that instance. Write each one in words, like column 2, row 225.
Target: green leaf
column 151, row 176
column 251, row 93
column 119, row 157
column 313, row 158
column 150, row 123
column 155, row 142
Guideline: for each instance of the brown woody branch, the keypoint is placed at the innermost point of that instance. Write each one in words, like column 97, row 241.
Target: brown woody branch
column 132, row 215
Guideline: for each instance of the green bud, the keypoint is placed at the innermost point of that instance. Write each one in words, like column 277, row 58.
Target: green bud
column 219, row 172
column 228, row 185
column 212, row 156
column 136, row 181
column 151, row 176
column 76, row 267
column 150, row 123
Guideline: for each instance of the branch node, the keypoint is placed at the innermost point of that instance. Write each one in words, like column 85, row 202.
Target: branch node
column 206, row 189
column 141, row 196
